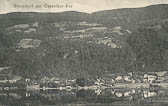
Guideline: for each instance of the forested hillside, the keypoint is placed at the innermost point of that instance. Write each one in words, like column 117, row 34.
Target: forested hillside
column 74, row 44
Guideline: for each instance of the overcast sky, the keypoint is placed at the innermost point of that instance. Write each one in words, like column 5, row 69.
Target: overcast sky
column 88, row 6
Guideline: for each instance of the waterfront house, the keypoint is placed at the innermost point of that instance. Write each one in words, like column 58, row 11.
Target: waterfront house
column 160, row 79
column 27, row 79
column 145, row 80
column 161, row 76
column 119, row 94
column 127, row 78
column 127, row 94
column 55, row 80
column 166, row 78
column 133, row 81
column 148, row 94
column 149, row 78
column 118, row 78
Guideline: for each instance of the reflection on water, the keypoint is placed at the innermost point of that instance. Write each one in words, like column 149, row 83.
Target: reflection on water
column 107, row 97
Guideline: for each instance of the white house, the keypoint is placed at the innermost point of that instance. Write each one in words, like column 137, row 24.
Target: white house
column 127, row 94
column 118, row 78
column 119, row 94
column 127, row 78
column 149, row 78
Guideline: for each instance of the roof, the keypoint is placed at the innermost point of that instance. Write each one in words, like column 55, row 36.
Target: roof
column 161, row 73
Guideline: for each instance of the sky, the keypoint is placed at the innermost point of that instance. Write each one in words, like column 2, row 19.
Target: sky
column 87, row 6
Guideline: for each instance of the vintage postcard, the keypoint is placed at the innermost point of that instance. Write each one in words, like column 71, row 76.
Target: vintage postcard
column 83, row 52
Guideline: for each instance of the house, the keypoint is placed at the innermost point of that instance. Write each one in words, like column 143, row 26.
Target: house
column 130, row 73
column 119, row 94
column 27, row 79
column 100, row 82
column 166, row 77
column 118, row 78
column 162, row 73
column 127, row 94
column 161, row 76
column 133, row 81
column 145, row 80
column 149, row 78
column 127, row 78
column 160, row 79
column 55, row 80
column 147, row 94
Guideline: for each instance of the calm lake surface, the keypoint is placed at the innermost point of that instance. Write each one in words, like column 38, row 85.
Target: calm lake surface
column 107, row 97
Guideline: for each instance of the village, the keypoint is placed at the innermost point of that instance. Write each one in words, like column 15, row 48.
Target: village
column 124, row 86
column 130, row 80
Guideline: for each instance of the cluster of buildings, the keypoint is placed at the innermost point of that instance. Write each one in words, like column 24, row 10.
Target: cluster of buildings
column 109, row 80
column 156, row 77
column 113, row 80
column 144, row 77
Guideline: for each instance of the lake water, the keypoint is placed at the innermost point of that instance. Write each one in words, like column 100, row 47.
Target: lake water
column 107, row 97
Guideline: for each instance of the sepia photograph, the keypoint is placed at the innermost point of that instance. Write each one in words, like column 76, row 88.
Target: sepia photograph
column 83, row 52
